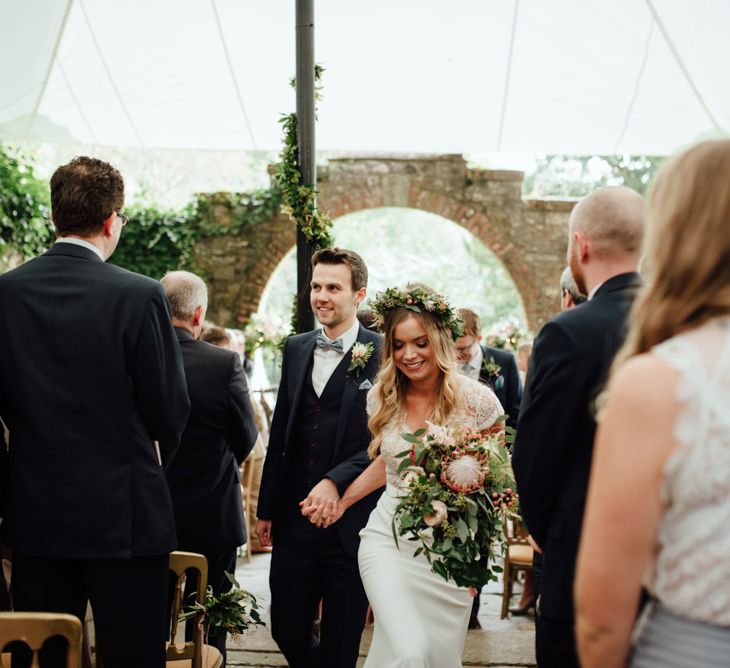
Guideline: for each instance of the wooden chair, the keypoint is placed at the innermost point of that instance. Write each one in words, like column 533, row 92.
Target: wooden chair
column 34, row 628
column 517, row 557
column 192, row 653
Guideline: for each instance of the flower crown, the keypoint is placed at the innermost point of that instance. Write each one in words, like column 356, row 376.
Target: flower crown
column 418, row 300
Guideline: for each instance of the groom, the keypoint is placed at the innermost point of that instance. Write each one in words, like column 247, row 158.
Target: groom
column 317, row 447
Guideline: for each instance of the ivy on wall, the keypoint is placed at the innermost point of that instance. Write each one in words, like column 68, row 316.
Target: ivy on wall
column 156, row 241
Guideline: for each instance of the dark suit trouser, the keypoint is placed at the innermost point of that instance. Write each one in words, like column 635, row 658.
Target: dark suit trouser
column 555, row 643
column 218, row 564
column 128, row 598
column 307, row 567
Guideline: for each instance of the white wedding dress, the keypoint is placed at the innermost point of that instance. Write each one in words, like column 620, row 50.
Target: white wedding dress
column 420, row 618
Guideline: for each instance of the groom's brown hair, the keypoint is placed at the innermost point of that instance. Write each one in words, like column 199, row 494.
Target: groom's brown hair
column 335, row 255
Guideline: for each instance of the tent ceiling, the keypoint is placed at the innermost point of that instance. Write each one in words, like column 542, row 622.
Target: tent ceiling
column 470, row 76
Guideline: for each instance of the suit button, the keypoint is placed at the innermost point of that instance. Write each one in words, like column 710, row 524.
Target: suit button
column 310, row 481
column 312, row 445
column 311, row 462
column 315, row 427
column 317, row 408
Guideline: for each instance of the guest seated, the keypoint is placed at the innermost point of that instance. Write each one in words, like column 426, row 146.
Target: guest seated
column 659, row 497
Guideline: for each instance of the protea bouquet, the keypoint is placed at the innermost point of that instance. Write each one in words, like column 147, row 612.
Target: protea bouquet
column 457, row 486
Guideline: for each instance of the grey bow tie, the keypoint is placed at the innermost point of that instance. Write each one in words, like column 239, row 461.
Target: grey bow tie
column 325, row 344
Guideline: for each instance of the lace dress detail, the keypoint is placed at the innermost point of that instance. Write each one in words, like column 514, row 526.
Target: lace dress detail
column 477, row 407
column 691, row 570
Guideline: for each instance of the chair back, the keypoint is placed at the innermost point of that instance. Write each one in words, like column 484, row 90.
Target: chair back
column 34, row 628
column 179, row 563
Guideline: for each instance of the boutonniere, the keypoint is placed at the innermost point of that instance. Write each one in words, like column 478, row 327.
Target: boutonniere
column 361, row 354
column 490, row 366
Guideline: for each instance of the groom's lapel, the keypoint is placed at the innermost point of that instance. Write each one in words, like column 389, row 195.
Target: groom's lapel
column 349, row 394
column 303, row 358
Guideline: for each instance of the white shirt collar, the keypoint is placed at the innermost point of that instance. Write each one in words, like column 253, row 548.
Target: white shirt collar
column 80, row 242
column 348, row 338
column 592, row 293
column 476, row 361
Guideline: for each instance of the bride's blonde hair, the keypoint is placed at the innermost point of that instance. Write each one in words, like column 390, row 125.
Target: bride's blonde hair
column 687, row 249
column 392, row 384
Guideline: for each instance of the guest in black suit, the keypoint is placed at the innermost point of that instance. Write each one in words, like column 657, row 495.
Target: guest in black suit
column 492, row 366
column 317, row 447
column 554, row 446
column 91, row 377
column 204, row 477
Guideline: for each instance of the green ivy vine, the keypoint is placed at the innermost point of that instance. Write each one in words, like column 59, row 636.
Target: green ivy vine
column 299, row 199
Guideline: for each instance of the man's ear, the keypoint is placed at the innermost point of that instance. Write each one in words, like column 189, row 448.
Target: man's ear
column 360, row 295
column 582, row 246
column 108, row 223
column 198, row 315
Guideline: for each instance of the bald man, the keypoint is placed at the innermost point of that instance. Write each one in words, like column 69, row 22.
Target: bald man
column 571, row 356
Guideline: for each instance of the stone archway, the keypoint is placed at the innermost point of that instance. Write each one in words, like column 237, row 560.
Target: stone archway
column 528, row 236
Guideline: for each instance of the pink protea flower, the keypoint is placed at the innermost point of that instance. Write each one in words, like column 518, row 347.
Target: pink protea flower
column 439, row 514
column 465, row 472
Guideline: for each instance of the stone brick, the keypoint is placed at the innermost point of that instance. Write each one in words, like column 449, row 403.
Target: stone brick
column 529, row 237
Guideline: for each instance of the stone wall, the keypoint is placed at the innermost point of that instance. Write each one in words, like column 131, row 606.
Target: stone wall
column 528, row 236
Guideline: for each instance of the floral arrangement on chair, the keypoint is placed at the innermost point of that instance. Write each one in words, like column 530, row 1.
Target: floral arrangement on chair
column 457, row 489
column 507, row 335
column 233, row 611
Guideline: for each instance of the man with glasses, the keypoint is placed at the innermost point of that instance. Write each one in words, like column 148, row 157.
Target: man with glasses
column 93, row 394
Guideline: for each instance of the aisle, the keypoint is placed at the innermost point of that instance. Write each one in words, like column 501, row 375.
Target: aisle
column 499, row 643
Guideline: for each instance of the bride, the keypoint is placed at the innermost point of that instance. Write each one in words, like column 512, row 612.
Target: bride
column 420, row 618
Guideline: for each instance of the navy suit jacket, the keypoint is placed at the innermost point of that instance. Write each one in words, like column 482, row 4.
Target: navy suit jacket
column 552, row 454
column 349, row 451
column 90, row 376
column 506, row 384
column 204, row 476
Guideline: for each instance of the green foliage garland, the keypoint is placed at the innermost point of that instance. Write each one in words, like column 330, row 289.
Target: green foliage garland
column 25, row 226
column 298, row 198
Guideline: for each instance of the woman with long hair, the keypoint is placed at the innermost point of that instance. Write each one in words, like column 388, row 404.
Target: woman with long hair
column 658, row 507
column 420, row 618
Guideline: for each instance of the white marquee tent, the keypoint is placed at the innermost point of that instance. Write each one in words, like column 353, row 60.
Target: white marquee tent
column 460, row 76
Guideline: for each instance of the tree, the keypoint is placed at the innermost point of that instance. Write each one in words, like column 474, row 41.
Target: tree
column 25, row 228
column 578, row 175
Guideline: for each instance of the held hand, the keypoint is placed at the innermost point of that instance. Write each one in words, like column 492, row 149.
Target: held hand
column 263, row 531
column 338, row 512
column 534, row 545
column 321, row 502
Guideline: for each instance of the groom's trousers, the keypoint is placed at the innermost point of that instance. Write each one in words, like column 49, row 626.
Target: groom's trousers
column 309, row 565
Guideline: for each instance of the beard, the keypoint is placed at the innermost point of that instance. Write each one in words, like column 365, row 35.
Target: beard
column 578, row 275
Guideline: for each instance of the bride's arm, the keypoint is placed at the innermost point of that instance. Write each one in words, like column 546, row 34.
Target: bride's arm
column 372, row 478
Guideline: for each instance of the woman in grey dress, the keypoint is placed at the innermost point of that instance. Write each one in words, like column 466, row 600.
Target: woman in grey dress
column 658, row 508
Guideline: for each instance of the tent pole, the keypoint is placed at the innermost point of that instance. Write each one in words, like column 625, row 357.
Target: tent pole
column 306, row 144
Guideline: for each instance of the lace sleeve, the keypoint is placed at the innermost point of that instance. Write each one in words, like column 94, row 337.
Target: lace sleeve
column 481, row 404
column 372, row 401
